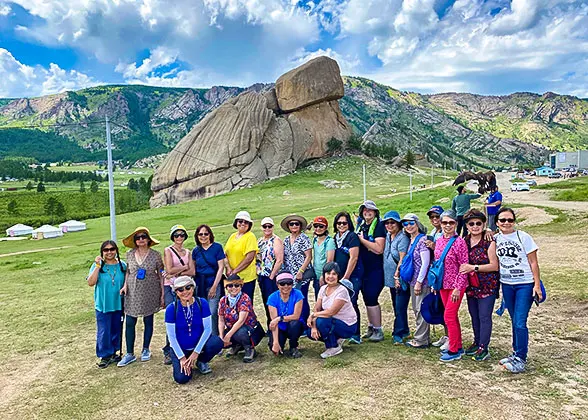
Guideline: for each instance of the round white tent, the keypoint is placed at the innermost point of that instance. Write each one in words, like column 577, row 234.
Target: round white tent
column 72, row 226
column 19, row 230
column 47, row 231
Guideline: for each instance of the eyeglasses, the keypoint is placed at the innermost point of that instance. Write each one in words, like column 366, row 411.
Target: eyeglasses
column 319, row 226
column 506, row 220
column 139, row 237
column 286, row 283
column 203, row 234
column 448, row 222
column 109, row 250
column 409, row 223
column 231, row 285
column 294, row 224
column 342, row 223
column 475, row 224
column 242, row 221
column 389, row 222
column 186, row 288
column 179, row 235
column 267, row 226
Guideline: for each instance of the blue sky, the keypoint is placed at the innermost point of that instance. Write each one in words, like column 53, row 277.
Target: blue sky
column 480, row 46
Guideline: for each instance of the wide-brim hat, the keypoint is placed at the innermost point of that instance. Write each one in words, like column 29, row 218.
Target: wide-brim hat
column 392, row 215
column 243, row 215
column 293, row 217
column 233, row 278
column 129, row 241
column 410, row 216
column 348, row 285
column 183, row 281
column 370, row 205
column 432, row 309
column 174, row 229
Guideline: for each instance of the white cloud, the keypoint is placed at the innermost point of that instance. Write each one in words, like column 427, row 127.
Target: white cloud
column 4, row 9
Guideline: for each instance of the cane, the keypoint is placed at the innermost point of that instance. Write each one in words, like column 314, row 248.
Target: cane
column 122, row 321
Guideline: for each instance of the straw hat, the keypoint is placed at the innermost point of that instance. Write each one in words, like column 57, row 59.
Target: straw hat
column 129, row 241
column 291, row 218
column 233, row 278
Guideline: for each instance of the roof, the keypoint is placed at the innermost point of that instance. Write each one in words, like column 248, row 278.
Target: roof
column 47, row 228
column 545, row 167
column 72, row 223
column 19, row 226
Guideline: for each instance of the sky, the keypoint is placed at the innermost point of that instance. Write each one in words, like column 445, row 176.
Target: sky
column 480, row 46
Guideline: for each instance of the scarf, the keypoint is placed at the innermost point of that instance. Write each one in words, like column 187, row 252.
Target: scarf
column 233, row 300
column 340, row 238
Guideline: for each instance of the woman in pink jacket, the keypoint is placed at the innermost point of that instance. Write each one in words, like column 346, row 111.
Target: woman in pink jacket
column 454, row 283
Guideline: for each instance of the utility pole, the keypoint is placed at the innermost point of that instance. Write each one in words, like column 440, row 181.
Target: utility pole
column 110, row 182
column 410, row 183
column 364, row 185
column 431, row 175
column 444, row 168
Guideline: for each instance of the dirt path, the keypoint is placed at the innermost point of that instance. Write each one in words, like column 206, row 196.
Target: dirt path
column 30, row 251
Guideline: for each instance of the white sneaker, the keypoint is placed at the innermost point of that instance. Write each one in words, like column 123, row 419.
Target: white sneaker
column 331, row 352
column 440, row 342
column 340, row 342
column 445, row 346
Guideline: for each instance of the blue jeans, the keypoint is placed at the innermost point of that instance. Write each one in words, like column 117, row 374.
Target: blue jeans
column 108, row 333
column 212, row 347
column 267, row 287
column 168, row 297
column 331, row 329
column 481, row 314
column 131, row 323
column 305, row 306
column 518, row 300
column 400, row 300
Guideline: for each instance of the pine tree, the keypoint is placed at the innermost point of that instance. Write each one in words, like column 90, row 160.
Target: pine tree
column 40, row 187
column 409, row 159
column 82, row 187
column 13, row 208
column 94, row 187
column 30, row 186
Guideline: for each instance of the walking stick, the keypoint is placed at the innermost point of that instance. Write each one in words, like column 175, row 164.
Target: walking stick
column 122, row 321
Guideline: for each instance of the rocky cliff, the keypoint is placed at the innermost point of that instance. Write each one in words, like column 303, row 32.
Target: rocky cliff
column 256, row 136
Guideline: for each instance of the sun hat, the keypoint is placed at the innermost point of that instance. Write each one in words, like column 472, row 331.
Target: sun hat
column 392, row 215
column 410, row 216
column 348, row 285
column 293, row 217
column 448, row 213
column 243, row 215
column 233, row 278
column 435, row 209
column 322, row 220
column 432, row 309
column 474, row 214
column 267, row 221
column 183, row 281
column 129, row 241
column 176, row 228
column 370, row 205
column 543, row 292
column 284, row 275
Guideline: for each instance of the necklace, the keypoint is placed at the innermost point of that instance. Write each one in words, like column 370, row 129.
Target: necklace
column 111, row 274
column 142, row 256
column 188, row 315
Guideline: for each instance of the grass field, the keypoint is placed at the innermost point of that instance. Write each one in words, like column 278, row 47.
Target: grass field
column 47, row 329
column 574, row 189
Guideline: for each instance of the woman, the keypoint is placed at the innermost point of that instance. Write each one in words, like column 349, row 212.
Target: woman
column 396, row 247
column 482, row 271
column 520, row 278
column 269, row 261
column 298, row 255
column 285, row 308
column 188, row 326
column 177, row 262
column 240, row 249
column 237, row 319
column 208, row 257
column 347, row 257
column 454, row 283
column 107, row 275
column 143, row 290
column 323, row 250
column 372, row 236
column 333, row 319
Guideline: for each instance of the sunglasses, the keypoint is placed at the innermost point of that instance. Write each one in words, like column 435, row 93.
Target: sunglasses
column 318, row 226
column 179, row 235
column 475, row 224
column 203, row 234
column 294, row 224
column 390, row 222
column 409, row 223
column 509, row 220
column 286, row 283
column 267, row 226
column 242, row 221
column 434, row 216
column 232, row 285
column 139, row 237
column 448, row 222
column 342, row 223
column 109, row 250
column 181, row 289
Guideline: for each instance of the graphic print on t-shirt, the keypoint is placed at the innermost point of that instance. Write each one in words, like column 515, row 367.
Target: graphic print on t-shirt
column 510, row 254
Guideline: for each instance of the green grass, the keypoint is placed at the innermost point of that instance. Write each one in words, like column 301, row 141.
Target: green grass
column 574, row 189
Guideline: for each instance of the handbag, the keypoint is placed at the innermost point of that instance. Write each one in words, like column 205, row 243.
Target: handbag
column 256, row 334
column 473, row 279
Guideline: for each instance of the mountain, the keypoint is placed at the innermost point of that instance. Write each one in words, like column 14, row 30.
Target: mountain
column 471, row 129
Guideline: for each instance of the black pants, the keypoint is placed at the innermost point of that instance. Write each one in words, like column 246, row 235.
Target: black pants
column 461, row 226
column 131, row 323
column 292, row 333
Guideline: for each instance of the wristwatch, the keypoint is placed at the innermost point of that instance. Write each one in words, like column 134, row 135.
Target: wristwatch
column 281, row 318
column 476, row 268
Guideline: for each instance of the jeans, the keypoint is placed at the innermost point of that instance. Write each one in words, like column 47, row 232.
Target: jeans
column 492, row 222
column 305, row 306
column 481, row 313
column 241, row 337
column 372, row 285
column 108, row 333
column 267, row 287
column 451, row 318
column 168, row 296
column 400, row 299
column 518, row 300
column 461, row 229
column 292, row 333
column 213, row 305
column 212, row 347
column 356, row 281
column 249, row 289
column 422, row 332
column 331, row 329
column 131, row 323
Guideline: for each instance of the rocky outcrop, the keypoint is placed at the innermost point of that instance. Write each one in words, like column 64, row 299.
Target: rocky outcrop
column 256, row 136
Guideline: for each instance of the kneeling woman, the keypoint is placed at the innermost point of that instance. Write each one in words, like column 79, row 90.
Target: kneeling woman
column 189, row 328
column 285, row 309
column 334, row 318
column 237, row 319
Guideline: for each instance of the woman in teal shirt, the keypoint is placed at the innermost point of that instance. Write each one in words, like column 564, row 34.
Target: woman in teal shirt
column 107, row 275
column 323, row 250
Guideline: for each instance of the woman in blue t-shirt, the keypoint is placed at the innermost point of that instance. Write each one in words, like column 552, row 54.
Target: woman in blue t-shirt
column 208, row 259
column 188, row 326
column 107, row 275
column 285, row 309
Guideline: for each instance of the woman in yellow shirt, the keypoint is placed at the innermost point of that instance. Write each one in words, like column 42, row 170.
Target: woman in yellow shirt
column 240, row 249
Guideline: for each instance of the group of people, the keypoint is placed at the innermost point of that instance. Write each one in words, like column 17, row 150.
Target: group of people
column 208, row 292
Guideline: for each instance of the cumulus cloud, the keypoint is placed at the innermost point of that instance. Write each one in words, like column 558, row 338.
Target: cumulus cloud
column 4, row 9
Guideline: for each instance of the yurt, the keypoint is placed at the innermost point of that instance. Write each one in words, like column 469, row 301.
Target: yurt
column 72, row 226
column 46, row 232
column 19, row 230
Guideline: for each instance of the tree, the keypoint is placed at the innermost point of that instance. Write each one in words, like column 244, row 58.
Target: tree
column 13, row 207
column 82, row 187
column 94, row 187
column 50, row 206
column 60, row 211
column 334, row 145
column 133, row 185
column 409, row 159
column 30, row 186
column 40, row 187
column 354, row 143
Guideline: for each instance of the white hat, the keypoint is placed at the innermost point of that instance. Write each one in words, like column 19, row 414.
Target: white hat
column 267, row 221
column 183, row 281
column 243, row 215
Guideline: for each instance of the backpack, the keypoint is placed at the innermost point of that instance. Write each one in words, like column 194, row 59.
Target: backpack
column 406, row 269
column 196, row 301
column 437, row 269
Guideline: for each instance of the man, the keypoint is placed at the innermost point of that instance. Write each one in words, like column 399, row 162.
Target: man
column 460, row 205
column 493, row 203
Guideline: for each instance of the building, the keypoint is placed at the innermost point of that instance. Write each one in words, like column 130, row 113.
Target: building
column 47, row 231
column 560, row 160
column 72, row 226
column 19, row 230
column 544, row 171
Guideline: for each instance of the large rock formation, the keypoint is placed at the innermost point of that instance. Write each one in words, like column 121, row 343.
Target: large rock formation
column 256, row 136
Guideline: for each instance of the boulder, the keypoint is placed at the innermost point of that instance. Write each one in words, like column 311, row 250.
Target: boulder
column 318, row 80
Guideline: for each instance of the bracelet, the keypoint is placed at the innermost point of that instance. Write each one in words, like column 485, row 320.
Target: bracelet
column 301, row 270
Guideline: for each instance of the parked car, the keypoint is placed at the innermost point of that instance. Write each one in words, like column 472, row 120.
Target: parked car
column 555, row 175
column 520, row 186
column 531, row 183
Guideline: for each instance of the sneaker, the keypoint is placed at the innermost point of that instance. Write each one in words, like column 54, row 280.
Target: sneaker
column 167, row 360
column 115, row 358
column 481, row 355
column 234, row 350
column 378, row 335
column 471, row 350
column 515, row 365
column 127, row 359
column 250, row 354
column 104, row 362
column 413, row 344
column 204, row 368
column 369, row 333
column 441, row 341
column 397, row 340
column 507, row 359
column 340, row 342
column 295, row 353
column 331, row 352
column 355, row 339
column 450, row 357
column 445, row 346
column 145, row 355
